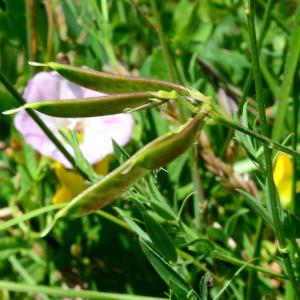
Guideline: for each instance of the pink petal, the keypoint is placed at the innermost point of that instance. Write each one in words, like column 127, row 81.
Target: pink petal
column 43, row 86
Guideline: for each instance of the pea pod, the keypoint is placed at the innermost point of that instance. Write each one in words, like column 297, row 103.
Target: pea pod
column 154, row 155
column 111, row 83
column 92, row 107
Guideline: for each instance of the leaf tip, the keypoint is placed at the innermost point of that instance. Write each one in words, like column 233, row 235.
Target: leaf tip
column 37, row 64
column 13, row 110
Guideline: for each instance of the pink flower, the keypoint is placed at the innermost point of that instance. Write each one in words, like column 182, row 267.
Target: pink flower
column 96, row 133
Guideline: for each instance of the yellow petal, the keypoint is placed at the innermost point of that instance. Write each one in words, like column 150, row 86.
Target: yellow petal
column 71, row 183
column 283, row 174
column 70, row 180
column 62, row 195
column 102, row 167
column 283, row 169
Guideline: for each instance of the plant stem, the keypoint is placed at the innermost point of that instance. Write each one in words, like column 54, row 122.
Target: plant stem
column 276, row 19
column 113, row 219
column 235, row 261
column 173, row 74
column 32, row 214
column 275, row 205
column 288, row 77
column 193, row 155
column 264, row 27
column 263, row 139
column 252, row 291
column 290, row 272
column 295, row 205
column 276, row 209
column 295, row 249
column 56, row 291
column 41, row 124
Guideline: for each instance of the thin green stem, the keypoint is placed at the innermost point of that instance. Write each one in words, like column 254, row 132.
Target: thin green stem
column 174, row 76
column 276, row 209
column 252, row 291
column 263, row 139
column 235, row 261
column 269, row 78
column 276, row 19
column 113, row 219
column 295, row 249
column 24, row 273
column 59, row 292
column 291, row 274
column 288, row 78
column 296, row 99
column 20, row 270
column 275, row 205
column 264, row 27
column 199, row 195
column 41, row 124
column 30, row 215
column 196, row 263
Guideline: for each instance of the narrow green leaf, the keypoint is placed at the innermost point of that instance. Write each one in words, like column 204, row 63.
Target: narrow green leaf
column 201, row 246
column 258, row 208
column 120, row 152
column 163, row 209
column 158, row 202
column 226, row 285
column 231, row 222
column 176, row 289
column 165, row 270
column 133, row 225
column 160, row 237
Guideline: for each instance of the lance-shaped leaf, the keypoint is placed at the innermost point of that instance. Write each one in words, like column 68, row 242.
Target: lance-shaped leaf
column 154, row 155
column 93, row 107
column 160, row 237
column 111, row 83
column 166, row 272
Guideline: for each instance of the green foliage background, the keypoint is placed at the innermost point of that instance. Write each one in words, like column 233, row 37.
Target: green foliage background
column 209, row 44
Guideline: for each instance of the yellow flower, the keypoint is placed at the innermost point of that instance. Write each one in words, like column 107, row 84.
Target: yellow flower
column 72, row 183
column 283, row 178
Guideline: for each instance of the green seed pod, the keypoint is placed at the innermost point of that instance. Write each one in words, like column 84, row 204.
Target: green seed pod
column 110, row 83
column 154, row 155
column 93, row 107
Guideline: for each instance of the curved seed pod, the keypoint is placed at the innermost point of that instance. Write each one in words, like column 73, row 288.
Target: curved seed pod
column 154, row 155
column 111, row 83
column 93, row 107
